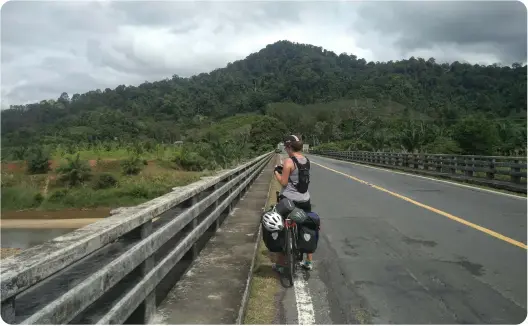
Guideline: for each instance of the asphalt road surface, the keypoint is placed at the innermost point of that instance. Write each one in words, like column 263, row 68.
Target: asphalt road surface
column 402, row 249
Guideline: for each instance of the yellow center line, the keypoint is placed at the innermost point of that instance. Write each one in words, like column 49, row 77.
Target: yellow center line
column 432, row 209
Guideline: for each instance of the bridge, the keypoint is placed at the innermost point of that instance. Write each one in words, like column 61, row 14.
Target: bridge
column 395, row 247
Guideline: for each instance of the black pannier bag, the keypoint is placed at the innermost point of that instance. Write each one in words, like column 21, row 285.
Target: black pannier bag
column 284, row 207
column 307, row 240
column 274, row 241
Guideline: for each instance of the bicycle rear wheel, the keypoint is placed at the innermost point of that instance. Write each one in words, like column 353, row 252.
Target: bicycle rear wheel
column 297, row 255
column 289, row 256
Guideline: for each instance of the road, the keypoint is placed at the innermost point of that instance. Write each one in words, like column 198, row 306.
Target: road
column 402, row 249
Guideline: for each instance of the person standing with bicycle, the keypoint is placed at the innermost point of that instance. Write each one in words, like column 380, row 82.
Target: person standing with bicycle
column 294, row 179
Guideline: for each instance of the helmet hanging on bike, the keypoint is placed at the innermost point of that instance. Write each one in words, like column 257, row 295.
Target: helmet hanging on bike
column 272, row 221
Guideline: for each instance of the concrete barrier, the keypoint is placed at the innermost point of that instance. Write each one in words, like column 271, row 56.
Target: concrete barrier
column 501, row 172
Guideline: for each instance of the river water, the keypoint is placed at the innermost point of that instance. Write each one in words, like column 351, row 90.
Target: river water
column 26, row 238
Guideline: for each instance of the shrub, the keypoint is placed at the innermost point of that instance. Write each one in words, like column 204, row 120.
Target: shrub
column 191, row 161
column 442, row 145
column 137, row 191
column 131, row 166
column 58, row 195
column 38, row 161
column 104, row 181
column 74, row 172
column 19, row 197
column 38, row 198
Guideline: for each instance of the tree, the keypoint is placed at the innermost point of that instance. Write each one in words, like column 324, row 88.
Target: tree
column 268, row 131
column 476, row 135
column 38, row 161
column 75, row 172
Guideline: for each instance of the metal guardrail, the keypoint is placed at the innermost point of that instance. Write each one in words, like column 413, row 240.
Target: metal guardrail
column 107, row 271
column 502, row 172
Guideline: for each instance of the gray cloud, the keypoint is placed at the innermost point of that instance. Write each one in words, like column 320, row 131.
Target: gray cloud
column 76, row 46
column 495, row 27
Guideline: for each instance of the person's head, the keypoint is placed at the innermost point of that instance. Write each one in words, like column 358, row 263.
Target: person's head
column 292, row 144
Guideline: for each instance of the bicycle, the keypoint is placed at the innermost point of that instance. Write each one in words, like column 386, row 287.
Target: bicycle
column 293, row 255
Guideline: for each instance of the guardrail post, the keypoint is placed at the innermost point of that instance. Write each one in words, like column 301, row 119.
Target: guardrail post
column 147, row 308
column 8, row 310
column 453, row 164
column 469, row 173
column 193, row 252
column 491, row 175
column 215, row 205
column 229, row 192
column 437, row 161
column 515, row 178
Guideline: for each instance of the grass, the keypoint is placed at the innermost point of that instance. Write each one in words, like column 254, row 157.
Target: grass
column 21, row 191
column 265, row 284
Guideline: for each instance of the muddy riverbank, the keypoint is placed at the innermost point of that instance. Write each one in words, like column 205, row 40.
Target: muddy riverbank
column 31, row 214
column 6, row 252
column 73, row 223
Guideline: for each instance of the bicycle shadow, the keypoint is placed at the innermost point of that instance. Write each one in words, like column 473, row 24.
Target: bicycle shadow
column 300, row 273
column 266, row 271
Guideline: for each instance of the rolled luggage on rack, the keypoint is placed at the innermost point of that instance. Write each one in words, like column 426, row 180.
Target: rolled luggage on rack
column 308, row 231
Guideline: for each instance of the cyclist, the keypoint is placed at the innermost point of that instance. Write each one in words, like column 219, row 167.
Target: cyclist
column 295, row 186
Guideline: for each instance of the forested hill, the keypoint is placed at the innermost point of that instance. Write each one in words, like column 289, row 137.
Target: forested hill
column 283, row 72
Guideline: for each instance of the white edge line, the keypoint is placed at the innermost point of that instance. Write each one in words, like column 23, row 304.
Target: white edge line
column 428, row 178
column 303, row 300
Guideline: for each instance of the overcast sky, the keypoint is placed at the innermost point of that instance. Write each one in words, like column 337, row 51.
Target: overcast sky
column 75, row 46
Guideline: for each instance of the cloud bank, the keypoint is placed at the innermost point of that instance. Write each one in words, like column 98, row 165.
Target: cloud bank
column 48, row 47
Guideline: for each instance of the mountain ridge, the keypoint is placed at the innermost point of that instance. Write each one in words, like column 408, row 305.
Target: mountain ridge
column 281, row 72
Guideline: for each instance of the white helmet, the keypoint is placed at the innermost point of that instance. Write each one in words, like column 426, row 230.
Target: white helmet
column 272, row 221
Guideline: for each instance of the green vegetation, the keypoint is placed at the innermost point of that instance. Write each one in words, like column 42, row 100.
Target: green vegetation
column 75, row 184
column 218, row 119
column 38, row 161
column 412, row 105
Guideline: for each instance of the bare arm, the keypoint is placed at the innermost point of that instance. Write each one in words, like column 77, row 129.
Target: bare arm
column 288, row 167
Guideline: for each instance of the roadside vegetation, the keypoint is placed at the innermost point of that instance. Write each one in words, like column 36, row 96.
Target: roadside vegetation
column 51, row 179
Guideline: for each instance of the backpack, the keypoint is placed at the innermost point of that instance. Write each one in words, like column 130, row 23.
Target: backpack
column 304, row 175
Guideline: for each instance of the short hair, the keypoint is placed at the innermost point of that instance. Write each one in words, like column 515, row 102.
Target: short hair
column 294, row 142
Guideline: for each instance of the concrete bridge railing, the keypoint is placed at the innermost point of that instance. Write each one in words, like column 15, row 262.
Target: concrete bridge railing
column 108, row 271
column 503, row 172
